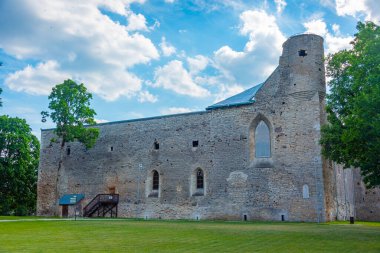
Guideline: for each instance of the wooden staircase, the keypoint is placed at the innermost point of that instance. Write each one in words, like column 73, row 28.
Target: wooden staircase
column 102, row 206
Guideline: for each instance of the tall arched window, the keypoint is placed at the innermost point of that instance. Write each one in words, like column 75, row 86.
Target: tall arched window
column 199, row 179
column 262, row 140
column 156, row 180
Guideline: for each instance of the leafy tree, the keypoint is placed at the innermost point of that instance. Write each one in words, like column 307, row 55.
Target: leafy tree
column 352, row 137
column 71, row 112
column 19, row 156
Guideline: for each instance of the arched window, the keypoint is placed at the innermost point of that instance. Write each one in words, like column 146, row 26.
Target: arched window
column 305, row 191
column 262, row 140
column 156, row 180
column 199, row 179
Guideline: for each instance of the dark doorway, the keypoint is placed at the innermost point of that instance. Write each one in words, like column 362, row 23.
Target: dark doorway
column 65, row 211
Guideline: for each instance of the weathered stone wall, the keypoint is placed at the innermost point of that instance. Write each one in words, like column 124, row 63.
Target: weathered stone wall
column 294, row 183
column 367, row 201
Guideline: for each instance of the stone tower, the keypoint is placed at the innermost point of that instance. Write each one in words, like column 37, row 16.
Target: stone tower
column 303, row 66
column 303, row 87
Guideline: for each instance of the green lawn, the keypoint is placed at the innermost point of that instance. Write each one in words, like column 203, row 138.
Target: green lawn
column 124, row 235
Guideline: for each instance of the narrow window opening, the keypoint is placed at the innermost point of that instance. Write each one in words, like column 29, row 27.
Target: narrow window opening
column 199, row 179
column 195, row 144
column 111, row 148
column 245, row 217
column 305, row 191
column 156, row 145
column 302, row 52
column 262, row 141
column 68, row 151
column 282, row 217
column 156, row 179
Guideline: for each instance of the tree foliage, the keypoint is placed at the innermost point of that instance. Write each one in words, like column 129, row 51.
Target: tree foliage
column 19, row 156
column 71, row 112
column 352, row 137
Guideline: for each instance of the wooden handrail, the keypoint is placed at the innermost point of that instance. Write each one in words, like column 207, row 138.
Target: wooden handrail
column 101, row 199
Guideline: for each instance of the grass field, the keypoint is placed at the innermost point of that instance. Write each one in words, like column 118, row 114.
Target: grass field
column 122, row 235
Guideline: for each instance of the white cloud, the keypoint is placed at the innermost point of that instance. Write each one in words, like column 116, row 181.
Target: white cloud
column 197, row 63
column 227, row 91
column 169, row 1
column 317, row 26
column 166, row 48
column 334, row 42
column 173, row 76
column 349, row 7
column 370, row 9
column 336, row 28
column 260, row 54
column 280, row 5
column 146, row 96
column 136, row 22
column 73, row 39
column 176, row 110
column 37, row 80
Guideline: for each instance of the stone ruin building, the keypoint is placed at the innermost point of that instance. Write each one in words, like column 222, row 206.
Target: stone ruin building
column 253, row 156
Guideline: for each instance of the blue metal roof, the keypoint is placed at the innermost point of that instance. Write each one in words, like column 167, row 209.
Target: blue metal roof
column 70, row 199
column 243, row 98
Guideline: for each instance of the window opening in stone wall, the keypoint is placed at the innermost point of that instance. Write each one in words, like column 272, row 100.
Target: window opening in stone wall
column 68, row 151
column 200, row 178
column 245, row 217
column 262, row 140
column 195, row 144
column 156, row 180
column 302, row 52
column 282, row 217
column 305, row 191
column 111, row 148
column 156, row 145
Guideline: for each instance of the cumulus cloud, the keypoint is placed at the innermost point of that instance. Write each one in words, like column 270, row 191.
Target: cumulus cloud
column 227, row 91
column 370, row 9
column 37, row 80
column 166, row 48
column 260, row 54
column 173, row 76
column 136, row 22
column 334, row 42
column 146, row 96
column 75, row 40
column 197, row 63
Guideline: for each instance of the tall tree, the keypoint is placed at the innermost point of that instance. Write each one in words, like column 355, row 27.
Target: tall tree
column 19, row 156
column 352, row 137
column 71, row 112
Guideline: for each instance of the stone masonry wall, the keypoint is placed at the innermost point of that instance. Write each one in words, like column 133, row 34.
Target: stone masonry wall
column 294, row 183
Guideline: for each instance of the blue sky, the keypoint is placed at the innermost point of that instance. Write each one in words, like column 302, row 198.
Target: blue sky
column 147, row 58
